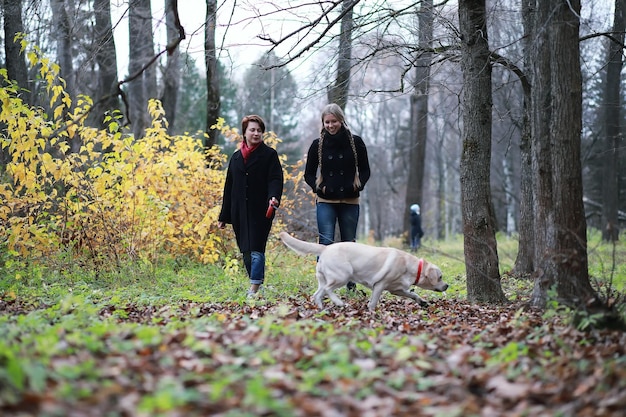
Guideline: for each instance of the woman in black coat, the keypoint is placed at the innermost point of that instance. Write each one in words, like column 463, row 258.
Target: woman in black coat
column 254, row 180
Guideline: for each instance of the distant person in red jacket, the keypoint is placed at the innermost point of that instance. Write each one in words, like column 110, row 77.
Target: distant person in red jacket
column 254, row 180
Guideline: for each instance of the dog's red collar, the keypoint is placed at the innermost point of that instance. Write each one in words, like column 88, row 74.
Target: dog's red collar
column 420, row 265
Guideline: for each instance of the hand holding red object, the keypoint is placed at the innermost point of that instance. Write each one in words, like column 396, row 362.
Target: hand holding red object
column 273, row 205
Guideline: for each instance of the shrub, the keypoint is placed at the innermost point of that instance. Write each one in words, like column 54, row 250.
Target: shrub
column 117, row 197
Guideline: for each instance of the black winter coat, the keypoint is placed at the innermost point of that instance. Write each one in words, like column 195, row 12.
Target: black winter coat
column 338, row 167
column 416, row 225
column 247, row 191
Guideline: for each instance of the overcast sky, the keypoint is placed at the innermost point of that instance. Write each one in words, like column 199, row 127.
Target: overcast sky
column 238, row 29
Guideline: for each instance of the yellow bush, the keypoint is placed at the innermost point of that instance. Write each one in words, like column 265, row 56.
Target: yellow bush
column 118, row 197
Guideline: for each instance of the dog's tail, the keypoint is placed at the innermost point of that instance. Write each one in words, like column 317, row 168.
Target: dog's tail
column 299, row 246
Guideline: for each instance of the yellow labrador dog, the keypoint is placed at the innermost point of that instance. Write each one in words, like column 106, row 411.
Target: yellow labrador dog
column 377, row 268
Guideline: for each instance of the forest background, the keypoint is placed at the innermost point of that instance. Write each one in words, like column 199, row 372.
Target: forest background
column 476, row 148
column 503, row 119
column 524, row 140
column 292, row 92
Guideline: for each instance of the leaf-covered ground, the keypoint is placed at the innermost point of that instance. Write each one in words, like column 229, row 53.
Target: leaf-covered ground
column 257, row 358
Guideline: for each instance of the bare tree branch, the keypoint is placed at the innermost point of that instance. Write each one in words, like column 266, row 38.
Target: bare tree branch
column 311, row 25
column 119, row 92
column 607, row 34
column 168, row 49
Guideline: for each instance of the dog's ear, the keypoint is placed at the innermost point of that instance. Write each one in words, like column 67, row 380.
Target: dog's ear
column 432, row 273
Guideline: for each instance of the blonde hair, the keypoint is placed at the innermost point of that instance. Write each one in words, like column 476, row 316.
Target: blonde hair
column 335, row 110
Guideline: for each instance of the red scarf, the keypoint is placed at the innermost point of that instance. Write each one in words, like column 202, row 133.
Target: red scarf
column 246, row 151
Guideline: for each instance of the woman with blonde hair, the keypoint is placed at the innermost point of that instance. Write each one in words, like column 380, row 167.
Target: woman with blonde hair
column 337, row 169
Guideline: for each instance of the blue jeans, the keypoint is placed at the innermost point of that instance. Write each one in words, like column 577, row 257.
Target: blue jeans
column 328, row 214
column 415, row 242
column 255, row 266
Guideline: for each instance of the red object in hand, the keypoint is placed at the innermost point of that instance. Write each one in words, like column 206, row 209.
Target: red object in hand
column 270, row 210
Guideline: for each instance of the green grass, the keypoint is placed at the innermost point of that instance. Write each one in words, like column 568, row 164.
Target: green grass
column 286, row 273
column 607, row 261
column 183, row 336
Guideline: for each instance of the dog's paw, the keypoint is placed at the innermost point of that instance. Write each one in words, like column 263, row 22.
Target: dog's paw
column 424, row 303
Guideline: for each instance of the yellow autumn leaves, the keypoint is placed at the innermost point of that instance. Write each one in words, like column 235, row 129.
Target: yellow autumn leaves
column 117, row 198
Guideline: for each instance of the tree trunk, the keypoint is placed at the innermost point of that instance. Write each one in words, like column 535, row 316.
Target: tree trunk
column 339, row 92
column 612, row 126
column 525, row 261
column 564, row 263
column 171, row 77
column 106, row 58
column 63, row 36
column 419, row 111
column 140, row 50
column 565, row 128
column 15, row 63
column 510, row 201
column 147, row 40
column 212, row 77
column 541, row 155
column 273, row 97
column 480, row 246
